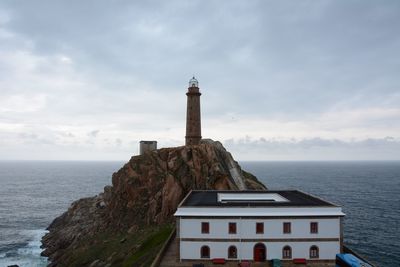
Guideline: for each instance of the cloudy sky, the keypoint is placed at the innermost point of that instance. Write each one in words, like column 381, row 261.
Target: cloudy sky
column 281, row 80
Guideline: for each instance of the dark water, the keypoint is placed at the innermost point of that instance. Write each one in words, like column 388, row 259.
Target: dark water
column 33, row 193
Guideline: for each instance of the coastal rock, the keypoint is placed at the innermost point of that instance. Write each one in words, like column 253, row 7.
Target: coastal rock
column 144, row 194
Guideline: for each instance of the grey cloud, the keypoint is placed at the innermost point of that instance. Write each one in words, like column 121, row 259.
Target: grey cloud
column 118, row 142
column 28, row 136
column 129, row 61
column 32, row 138
column 66, row 134
column 93, row 133
column 313, row 142
column 387, row 148
column 295, row 48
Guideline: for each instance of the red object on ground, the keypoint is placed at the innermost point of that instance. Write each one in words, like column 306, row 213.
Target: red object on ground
column 299, row 261
column 218, row 261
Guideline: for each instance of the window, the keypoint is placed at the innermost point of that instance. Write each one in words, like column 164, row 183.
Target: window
column 205, row 252
column 287, row 227
column 314, row 252
column 232, row 252
column 259, row 228
column 286, row 252
column 232, row 228
column 314, row 227
column 205, row 228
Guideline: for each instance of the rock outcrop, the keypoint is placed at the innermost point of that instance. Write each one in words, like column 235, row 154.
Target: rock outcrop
column 144, row 194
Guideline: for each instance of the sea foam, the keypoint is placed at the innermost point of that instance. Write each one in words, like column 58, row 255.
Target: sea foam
column 29, row 255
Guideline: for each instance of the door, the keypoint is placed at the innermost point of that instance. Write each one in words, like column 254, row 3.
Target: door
column 260, row 252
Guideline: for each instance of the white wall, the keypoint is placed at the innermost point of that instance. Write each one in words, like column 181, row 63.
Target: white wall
column 273, row 228
column 191, row 249
column 246, row 229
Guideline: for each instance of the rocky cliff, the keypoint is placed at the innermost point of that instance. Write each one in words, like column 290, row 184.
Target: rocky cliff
column 125, row 225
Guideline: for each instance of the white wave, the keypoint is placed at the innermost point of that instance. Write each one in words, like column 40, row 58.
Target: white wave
column 23, row 262
column 33, row 246
column 29, row 255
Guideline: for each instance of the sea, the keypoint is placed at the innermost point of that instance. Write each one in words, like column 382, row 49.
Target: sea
column 33, row 193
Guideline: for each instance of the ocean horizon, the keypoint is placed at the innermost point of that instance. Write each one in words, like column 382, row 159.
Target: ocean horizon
column 34, row 192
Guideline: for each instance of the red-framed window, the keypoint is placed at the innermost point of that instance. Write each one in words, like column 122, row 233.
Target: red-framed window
column 205, row 227
column 286, row 252
column 259, row 228
column 232, row 252
column 314, row 227
column 232, row 228
column 205, row 252
column 314, row 252
column 287, row 227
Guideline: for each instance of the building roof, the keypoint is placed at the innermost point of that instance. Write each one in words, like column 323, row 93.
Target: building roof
column 214, row 203
column 246, row 198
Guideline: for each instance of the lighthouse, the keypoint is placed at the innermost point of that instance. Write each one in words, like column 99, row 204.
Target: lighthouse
column 193, row 118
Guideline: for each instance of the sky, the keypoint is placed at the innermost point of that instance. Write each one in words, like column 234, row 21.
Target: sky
column 280, row 80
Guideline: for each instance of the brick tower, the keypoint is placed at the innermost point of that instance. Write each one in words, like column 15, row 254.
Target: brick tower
column 193, row 119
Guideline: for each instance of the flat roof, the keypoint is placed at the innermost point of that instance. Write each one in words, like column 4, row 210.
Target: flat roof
column 261, row 212
column 252, row 198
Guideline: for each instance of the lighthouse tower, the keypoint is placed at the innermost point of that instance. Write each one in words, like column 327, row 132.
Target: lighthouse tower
column 193, row 119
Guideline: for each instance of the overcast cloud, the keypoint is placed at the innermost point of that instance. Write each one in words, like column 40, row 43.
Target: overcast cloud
column 281, row 80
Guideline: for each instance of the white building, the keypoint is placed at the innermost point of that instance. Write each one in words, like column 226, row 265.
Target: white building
column 258, row 226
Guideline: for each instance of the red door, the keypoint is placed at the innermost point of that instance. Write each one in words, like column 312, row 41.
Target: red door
column 259, row 252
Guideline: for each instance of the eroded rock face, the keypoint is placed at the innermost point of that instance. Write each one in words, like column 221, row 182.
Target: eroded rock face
column 146, row 191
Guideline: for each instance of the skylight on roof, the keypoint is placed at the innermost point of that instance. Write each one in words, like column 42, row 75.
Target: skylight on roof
column 250, row 197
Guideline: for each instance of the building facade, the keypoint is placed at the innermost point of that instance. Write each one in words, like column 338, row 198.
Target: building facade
column 258, row 226
column 193, row 116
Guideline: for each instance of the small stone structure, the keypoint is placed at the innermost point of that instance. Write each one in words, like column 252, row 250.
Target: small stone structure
column 147, row 146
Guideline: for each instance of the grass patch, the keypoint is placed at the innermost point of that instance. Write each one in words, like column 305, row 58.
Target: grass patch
column 137, row 249
column 145, row 254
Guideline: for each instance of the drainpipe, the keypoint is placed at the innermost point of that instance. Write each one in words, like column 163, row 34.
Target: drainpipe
column 179, row 240
column 240, row 241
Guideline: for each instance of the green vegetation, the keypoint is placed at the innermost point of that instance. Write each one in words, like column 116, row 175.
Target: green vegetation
column 147, row 251
column 121, row 249
column 252, row 181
